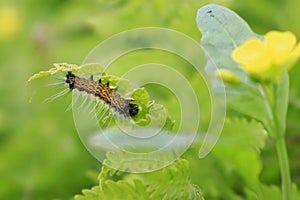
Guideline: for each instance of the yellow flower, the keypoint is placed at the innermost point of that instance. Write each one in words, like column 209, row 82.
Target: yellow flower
column 228, row 76
column 269, row 58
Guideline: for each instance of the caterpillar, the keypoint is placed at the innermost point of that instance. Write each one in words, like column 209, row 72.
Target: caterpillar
column 103, row 92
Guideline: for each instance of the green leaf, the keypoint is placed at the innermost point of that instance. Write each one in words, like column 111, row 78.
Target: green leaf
column 116, row 190
column 222, row 31
column 141, row 98
column 150, row 111
column 272, row 192
column 92, row 194
column 126, row 190
column 234, row 164
column 138, row 162
column 65, row 67
column 171, row 182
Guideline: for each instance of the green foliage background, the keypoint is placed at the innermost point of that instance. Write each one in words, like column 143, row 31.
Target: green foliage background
column 41, row 156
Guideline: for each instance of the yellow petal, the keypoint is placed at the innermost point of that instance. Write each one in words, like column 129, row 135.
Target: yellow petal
column 293, row 57
column 280, row 45
column 280, row 41
column 253, row 56
column 259, row 67
column 249, row 52
column 295, row 54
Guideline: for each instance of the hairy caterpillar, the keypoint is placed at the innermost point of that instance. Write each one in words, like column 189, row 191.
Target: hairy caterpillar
column 139, row 106
column 104, row 92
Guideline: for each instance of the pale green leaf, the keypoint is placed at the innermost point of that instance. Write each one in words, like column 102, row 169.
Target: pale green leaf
column 222, row 31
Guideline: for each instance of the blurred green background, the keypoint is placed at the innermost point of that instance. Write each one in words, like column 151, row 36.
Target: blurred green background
column 41, row 155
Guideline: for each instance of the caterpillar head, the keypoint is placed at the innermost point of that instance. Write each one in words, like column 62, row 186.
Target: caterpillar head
column 133, row 109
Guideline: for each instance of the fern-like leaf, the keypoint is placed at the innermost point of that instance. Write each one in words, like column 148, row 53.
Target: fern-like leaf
column 169, row 183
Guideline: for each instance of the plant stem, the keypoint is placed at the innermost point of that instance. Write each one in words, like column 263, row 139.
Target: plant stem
column 284, row 168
